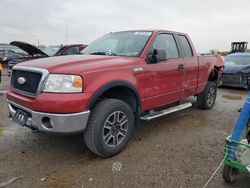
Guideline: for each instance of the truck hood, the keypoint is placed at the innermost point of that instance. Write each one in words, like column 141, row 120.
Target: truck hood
column 235, row 69
column 28, row 48
column 78, row 64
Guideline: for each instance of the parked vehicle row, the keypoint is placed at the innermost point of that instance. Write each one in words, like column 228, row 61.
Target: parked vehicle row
column 115, row 81
column 35, row 53
column 8, row 55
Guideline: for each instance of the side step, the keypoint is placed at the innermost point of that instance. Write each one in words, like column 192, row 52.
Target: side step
column 157, row 114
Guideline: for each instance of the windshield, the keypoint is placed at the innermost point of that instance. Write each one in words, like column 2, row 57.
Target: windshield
column 51, row 51
column 237, row 60
column 121, row 43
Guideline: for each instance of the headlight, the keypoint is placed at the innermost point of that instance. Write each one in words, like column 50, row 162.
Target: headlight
column 60, row 83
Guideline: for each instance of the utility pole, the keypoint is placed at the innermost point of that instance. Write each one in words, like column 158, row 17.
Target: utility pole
column 66, row 31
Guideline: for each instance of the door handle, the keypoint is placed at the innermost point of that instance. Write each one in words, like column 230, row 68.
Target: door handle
column 181, row 67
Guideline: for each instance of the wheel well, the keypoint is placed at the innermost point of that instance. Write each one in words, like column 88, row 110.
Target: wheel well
column 122, row 93
column 213, row 76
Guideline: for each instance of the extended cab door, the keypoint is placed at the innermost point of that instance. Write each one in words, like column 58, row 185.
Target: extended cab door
column 163, row 76
column 191, row 66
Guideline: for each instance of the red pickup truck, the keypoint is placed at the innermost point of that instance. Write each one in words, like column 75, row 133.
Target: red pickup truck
column 119, row 78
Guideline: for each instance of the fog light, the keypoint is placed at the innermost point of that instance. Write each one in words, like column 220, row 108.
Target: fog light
column 46, row 122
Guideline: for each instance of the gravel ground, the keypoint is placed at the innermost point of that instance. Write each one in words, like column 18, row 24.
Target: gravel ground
column 5, row 80
column 179, row 150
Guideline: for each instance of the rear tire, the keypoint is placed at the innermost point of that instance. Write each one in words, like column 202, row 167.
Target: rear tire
column 230, row 174
column 109, row 128
column 206, row 99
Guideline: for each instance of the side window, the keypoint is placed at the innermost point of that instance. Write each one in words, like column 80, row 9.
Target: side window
column 186, row 46
column 167, row 42
column 71, row 51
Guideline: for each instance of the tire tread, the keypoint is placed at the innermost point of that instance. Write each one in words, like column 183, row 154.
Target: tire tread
column 201, row 97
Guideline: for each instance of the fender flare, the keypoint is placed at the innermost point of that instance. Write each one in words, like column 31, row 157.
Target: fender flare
column 112, row 84
column 213, row 72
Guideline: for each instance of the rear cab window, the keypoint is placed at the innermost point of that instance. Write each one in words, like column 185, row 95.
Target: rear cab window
column 187, row 50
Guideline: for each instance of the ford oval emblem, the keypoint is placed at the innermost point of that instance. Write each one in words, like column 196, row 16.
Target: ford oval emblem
column 21, row 80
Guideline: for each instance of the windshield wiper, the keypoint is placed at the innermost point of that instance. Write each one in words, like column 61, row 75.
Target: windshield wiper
column 104, row 53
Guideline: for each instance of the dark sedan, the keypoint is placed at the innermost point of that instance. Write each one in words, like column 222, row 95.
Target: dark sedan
column 236, row 72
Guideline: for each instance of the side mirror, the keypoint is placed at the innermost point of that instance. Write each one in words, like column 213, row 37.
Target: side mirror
column 157, row 55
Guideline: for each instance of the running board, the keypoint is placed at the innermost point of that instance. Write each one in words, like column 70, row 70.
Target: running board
column 157, row 114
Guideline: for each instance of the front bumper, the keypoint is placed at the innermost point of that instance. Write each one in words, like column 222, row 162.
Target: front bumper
column 236, row 80
column 52, row 122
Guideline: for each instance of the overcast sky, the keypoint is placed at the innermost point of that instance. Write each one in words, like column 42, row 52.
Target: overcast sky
column 212, row 24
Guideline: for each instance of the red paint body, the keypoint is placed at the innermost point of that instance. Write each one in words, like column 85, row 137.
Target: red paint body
column 158, row 84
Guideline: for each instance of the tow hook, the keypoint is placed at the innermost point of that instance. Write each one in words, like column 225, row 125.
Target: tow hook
column 33, row 130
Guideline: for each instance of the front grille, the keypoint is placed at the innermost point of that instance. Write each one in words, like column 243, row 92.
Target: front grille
column 30, row 86
column 231, row 78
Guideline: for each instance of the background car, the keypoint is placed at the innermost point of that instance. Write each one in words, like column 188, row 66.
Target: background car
column 236, row 72
column 35, row 53
column 8, row 55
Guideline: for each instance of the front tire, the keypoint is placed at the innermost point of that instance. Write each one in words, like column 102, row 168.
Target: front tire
column 206, row 99
column 109, row 128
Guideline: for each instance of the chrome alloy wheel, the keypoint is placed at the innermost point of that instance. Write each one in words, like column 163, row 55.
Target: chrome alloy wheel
column 115, row 128
column 211, row 96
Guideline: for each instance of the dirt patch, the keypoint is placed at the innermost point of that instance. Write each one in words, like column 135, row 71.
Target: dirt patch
column 1, row 131
column 230, row 97
column 190, row 120
column 179, row 150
